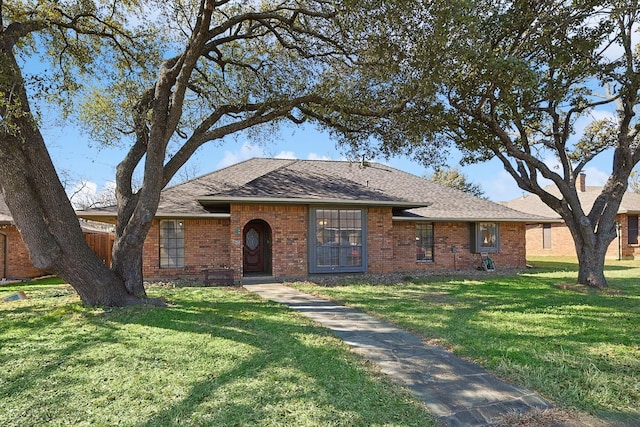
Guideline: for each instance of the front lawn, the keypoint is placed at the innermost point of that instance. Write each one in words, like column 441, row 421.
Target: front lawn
column 215, row 357
column 576, row 346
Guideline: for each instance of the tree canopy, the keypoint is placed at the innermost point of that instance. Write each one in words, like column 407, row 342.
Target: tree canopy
column 164, row 78
column 533, row 84
column 452, row 177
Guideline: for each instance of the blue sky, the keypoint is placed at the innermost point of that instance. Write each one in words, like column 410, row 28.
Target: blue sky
column 82, row 161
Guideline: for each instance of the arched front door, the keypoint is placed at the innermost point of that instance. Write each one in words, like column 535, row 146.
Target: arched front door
column 256, row 239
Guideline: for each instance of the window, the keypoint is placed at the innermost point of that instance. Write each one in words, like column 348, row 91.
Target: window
column 632, row 229
column 485, row 237
column 336, row 243
column 424, row 241
column 171, row 244
column 546, row 236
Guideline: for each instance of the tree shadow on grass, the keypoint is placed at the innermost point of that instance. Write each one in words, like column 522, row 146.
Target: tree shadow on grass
column 543, row 265
column 517, row 327
column 324, row 382
column 259, row 364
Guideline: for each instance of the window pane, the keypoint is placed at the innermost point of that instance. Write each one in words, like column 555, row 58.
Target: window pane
column 424, row 241
column 338, row 238
column 633, row 229
column 171, row 244
column 488, row 235
column 546, row 236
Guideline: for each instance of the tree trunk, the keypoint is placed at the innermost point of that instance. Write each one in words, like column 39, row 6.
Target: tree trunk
column 49, row 226
column 591, row 266
column 591, row 248
column 127, row 265
column 38, row 203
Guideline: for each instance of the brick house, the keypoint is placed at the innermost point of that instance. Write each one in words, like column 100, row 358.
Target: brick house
column 292, row 218
column 553, row 238
column 14, row 256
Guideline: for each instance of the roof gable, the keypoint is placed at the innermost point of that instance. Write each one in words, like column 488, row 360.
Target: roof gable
column 301, row 180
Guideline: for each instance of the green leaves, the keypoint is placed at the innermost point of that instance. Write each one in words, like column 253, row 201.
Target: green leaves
column 455, row 179
column 597, row 137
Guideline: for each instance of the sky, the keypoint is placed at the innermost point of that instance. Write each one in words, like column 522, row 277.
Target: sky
column 94, row 166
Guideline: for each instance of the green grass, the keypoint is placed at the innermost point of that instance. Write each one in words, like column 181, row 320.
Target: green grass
column 215, row 357
column 576, row 346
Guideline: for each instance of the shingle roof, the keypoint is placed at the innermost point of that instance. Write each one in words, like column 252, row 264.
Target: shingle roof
column 531, row 203
column 262, row 180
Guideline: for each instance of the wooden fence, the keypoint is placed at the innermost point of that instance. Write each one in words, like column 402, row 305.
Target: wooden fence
column 101, row 244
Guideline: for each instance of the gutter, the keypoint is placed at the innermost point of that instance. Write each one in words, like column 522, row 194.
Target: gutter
column 111, row 219
column 311, row 201
column 469, row 219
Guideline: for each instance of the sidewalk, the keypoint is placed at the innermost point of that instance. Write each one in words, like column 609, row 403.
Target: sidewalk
column 458, row 392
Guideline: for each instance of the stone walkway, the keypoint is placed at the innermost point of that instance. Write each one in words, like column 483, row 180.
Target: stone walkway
column 457, row 392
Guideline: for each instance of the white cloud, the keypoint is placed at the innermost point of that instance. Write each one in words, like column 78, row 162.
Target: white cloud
column 85, row 194
column 501, row 187
column 595, row 177
column 246, row 152
column 83, row 189
column 616, row 51
column 315, row 156
column 286, row 155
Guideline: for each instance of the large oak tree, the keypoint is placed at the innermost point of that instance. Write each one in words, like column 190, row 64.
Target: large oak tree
column 517, row 81
column 164, row 78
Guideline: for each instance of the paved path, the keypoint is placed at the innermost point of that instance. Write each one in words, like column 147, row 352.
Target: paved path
column 458, row 392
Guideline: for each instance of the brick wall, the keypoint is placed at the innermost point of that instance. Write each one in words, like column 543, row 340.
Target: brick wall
column 217, row 243
column 448, row 235
column 380, row 241
column 289, row 228
column 18, row 263
column 562, row 241
column 206, row 246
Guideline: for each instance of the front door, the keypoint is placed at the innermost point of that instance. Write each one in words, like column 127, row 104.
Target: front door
column 255, row 244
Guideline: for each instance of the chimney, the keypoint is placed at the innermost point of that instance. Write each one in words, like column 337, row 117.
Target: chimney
column 582, row 178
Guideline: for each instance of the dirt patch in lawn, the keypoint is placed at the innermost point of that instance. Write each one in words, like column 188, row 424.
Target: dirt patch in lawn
column 575, row 287
column 551, row 418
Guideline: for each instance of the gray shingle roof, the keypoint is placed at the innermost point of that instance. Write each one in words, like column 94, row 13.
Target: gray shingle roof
column 531, row 203
column 262, row 180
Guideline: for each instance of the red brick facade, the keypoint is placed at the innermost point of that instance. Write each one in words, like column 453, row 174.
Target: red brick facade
column 452, row 247
column 206, row 246
column 561, row 242
column 391, row 247
column 14, row 257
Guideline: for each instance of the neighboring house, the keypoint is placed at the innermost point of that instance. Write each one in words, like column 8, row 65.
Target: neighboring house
column 292, row 218
column 553, row 237
column 14, row 256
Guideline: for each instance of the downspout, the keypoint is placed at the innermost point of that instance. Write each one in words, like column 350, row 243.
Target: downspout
column 6, row 254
